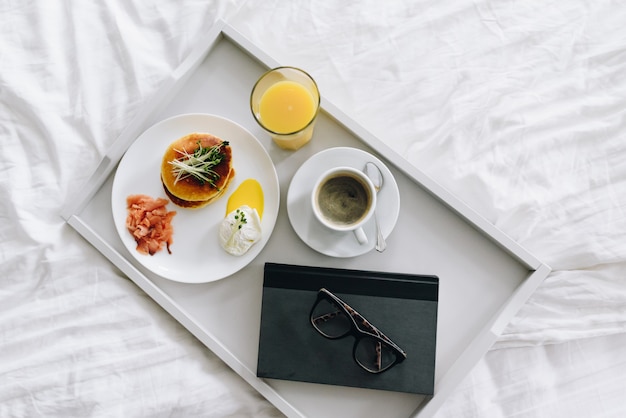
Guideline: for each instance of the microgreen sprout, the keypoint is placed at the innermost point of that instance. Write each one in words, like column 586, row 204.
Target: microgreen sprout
column 240, row 217
column 199, row 164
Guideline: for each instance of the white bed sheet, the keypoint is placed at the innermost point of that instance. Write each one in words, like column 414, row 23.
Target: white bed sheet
column 519, row 108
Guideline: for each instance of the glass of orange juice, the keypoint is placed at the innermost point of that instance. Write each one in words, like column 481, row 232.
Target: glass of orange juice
column 285, row 102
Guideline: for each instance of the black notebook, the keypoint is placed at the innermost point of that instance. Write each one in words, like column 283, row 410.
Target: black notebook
column 402, row 306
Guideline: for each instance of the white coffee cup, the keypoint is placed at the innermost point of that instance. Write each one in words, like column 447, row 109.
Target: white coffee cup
column 344, row 199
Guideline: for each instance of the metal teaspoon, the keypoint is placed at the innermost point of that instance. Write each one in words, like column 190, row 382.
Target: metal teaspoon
column 373, row 172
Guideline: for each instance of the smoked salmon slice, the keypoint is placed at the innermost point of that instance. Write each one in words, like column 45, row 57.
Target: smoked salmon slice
column 150, row 223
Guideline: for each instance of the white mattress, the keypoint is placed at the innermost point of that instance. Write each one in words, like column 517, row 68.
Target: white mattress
column 519, row 108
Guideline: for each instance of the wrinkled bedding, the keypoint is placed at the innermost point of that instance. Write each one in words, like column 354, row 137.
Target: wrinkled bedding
column 518, row 108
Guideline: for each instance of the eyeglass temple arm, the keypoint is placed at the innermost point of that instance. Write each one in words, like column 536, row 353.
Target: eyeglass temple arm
column 360, row 319
column 325, row 317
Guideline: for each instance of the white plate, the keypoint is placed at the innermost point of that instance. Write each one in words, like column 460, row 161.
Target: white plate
column 308, row 228
column 197, row 256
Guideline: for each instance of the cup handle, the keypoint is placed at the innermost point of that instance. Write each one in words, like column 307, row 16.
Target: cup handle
column 360, row 236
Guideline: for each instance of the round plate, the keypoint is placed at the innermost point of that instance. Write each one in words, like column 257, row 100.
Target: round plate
column 321, row 239
column 197, row 256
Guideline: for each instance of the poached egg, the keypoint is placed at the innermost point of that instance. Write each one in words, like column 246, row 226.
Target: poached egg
column 241, row 228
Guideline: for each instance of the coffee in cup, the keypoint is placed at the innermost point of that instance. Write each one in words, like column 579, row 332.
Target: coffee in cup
column 344, row 199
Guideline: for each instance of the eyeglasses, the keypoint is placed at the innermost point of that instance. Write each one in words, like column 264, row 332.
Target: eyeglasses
column 334, row 319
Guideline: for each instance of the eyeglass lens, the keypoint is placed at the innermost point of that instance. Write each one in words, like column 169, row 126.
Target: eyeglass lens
column 374, row 355
column 332, row 321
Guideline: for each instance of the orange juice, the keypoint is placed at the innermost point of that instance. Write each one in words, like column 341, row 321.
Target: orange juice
column 286, row 107
column 284, row 101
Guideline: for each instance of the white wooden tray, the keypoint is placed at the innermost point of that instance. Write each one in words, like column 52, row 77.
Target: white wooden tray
column 485, row 277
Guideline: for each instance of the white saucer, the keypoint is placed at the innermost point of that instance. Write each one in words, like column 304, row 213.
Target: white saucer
column 308, row 228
